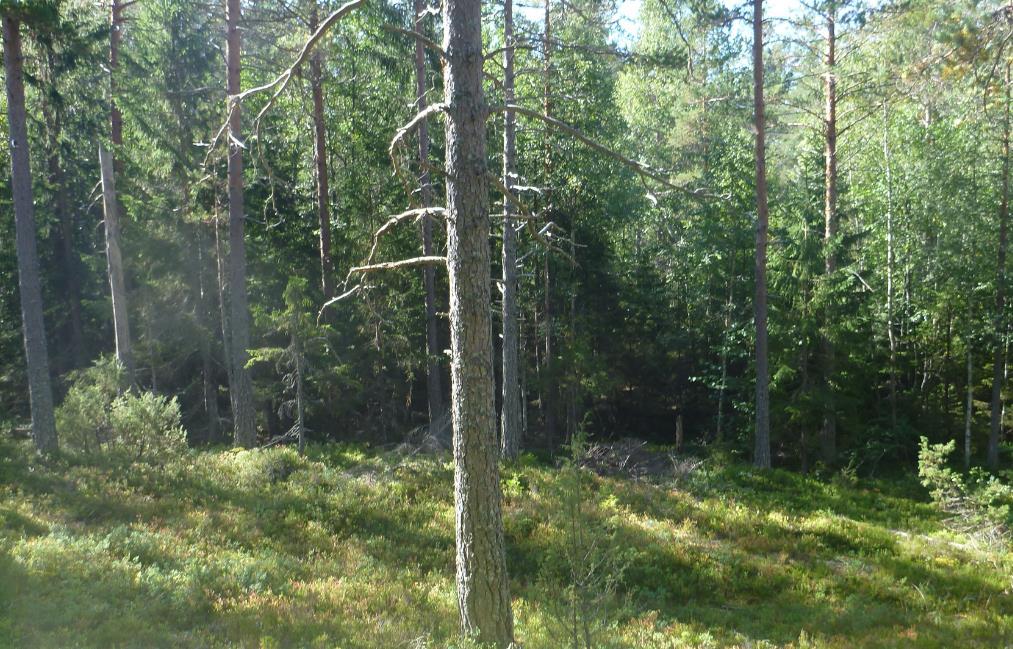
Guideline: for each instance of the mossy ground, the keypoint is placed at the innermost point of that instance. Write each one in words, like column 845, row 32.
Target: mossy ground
column 354, row 549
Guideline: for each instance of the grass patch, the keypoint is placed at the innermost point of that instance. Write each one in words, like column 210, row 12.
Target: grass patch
column 347, row 548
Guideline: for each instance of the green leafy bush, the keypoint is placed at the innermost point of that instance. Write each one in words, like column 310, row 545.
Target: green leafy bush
column 978, row 503
column 96, row 419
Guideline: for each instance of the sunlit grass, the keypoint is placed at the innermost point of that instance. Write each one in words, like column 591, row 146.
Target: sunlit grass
column 353, row 549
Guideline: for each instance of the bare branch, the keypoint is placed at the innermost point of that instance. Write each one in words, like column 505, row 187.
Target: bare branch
column 401, row 263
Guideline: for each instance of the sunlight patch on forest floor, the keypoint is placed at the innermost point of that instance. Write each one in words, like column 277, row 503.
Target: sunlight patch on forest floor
column 351, row 548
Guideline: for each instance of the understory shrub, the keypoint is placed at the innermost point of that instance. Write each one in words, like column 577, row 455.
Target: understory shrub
column 978, row 504
column 98, row 417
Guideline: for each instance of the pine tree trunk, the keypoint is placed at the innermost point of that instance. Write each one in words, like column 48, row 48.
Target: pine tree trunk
column 999, row 356
column 114, row 262
column 828, row 434
column 482, row 588
column 33, row 330
column 511, row 416
column 434, row 380
column 320, row 163
column 761, row 451
column 242, row 387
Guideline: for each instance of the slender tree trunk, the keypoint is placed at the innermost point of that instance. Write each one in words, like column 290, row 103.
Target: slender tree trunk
column 109, row 167
column 204, row 312
column 320, row 162
column 511, row 416
column 482, row 588
column 434, row 381
column 890, row 262
column 761, row 451
column 242, row 386
column 719, row 433
column 550, row 387
column 300, row 399
column 53, row 119
column 114, row 261
column 115, row 35
column 33, row 330
column 999, row 356
column 828, row 434
column 969, row 408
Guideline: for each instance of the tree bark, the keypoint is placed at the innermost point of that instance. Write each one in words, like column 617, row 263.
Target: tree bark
column 242, row 387
column 33, row 330
column 828, row 434
column 999, row 356
column 434, row 381
column 761, row 450
column 549, row 387
column 115, row 36
column 114, row 262
column 482, row 588
column 320, row 162
column 510, row 435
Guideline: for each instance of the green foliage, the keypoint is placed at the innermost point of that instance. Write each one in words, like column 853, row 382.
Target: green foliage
column 350, row 548
column 979, row 503
column 99, row 418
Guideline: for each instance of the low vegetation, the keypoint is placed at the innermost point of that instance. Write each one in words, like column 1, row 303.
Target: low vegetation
column 351, row 547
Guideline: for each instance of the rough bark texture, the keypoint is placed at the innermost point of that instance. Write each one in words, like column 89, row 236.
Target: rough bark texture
column 434, row 380
column 510, row 423
column 239, row 316
column 482, row 588
column 33, row 329
column 114, row 262
column 828, row 434
column 320, row 163
column 999, row 356
column 761, row 450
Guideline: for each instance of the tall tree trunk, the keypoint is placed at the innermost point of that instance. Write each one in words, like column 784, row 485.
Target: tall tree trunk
column 482, row 588
column 53, row 119
column 510, row 435
column 242, row 386
column 890, row 262
column 969, row 408
column 761, row 451
column 828, row 434
column 999, row 356
column 33, row 330
column 109, row 167
column 320, row 162
column 204, row 312
column 114, row 262
column 434, row 381
column 115, row 36
column 550, row 388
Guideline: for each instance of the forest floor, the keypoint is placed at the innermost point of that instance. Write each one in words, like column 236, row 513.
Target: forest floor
column 352, row 548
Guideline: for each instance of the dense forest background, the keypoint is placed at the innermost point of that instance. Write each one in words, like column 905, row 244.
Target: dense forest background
column 635, row 297
column 660, row 331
